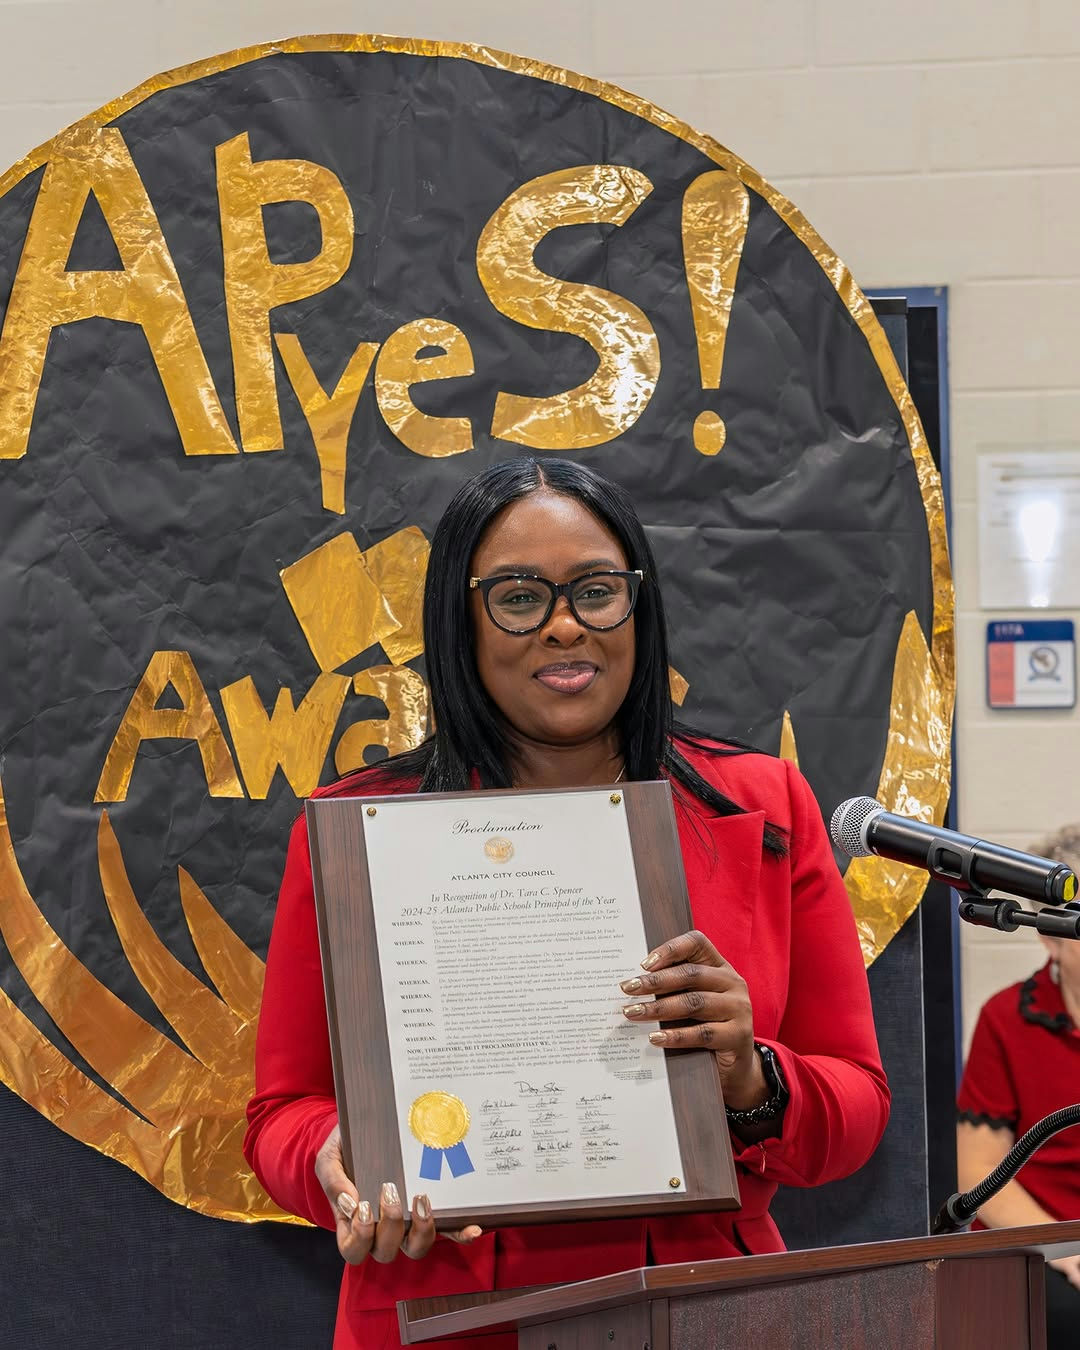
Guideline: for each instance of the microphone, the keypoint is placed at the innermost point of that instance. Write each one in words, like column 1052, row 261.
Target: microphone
column 861, row 826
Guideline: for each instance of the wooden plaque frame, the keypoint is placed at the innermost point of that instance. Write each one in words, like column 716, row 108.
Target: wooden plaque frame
column 359, row 1038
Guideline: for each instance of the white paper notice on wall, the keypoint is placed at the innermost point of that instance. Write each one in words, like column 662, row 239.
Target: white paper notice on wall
column 1031, row 663
column 1029, row 528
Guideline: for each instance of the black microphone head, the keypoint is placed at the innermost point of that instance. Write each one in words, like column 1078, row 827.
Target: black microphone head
column 849, row 825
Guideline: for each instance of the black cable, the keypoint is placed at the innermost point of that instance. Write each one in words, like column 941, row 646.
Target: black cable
column 958, row 1211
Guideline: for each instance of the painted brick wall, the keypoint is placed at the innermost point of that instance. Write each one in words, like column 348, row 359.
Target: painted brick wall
column 931, row 144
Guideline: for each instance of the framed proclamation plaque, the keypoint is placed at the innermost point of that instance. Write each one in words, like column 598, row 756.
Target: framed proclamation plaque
column 472, row 948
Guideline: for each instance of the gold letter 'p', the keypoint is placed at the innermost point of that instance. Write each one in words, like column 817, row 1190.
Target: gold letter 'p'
column 254, row 285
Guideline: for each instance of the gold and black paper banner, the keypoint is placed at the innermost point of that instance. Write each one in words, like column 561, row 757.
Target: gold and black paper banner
column 261, row 317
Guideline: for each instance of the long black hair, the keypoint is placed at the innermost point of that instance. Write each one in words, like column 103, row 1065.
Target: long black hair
column 468, row 732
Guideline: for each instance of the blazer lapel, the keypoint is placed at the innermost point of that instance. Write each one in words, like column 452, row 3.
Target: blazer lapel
column 722, row 855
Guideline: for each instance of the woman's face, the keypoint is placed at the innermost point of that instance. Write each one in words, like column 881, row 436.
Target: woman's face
column 563, row 684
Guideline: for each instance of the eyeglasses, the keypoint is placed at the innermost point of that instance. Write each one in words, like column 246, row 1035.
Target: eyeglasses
column 522, row 604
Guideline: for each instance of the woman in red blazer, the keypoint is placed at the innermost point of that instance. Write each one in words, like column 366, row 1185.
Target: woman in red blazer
column 547, row 660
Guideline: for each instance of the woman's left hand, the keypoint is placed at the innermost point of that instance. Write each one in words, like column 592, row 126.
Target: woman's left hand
column 691, row 981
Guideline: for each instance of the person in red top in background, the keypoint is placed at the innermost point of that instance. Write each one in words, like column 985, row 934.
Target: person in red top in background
column 1024, row 1064
column 547, row 660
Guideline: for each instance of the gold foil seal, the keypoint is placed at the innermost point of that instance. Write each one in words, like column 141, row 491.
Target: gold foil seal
column 439, row 1119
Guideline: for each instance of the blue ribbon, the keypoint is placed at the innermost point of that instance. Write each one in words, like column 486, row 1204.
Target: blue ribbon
column 457, row 1158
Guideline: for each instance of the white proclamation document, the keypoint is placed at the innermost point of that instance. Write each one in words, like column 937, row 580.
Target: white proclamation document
column 503, row 933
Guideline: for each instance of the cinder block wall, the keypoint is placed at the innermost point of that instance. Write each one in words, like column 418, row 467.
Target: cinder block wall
column 937, row 143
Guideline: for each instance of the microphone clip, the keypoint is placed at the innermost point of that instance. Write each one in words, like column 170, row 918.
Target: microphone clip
column 1009, row 915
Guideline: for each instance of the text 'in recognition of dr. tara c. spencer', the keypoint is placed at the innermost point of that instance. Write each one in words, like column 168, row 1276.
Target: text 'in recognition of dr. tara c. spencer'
column 503, row 932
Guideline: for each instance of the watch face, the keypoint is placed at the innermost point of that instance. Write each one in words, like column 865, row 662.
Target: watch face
column 774, row 1074
column 261, row 318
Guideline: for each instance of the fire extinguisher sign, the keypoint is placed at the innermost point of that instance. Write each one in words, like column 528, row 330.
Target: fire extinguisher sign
column 1031, row 664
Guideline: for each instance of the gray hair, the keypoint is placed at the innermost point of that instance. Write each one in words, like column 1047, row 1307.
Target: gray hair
column 1062, row 846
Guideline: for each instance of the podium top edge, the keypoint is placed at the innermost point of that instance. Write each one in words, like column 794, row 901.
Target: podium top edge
column 424, row 1320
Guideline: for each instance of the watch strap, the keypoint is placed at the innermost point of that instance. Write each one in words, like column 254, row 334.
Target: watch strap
column 778, row 1098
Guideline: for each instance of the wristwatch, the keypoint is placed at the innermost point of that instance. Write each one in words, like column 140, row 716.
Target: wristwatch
column 778, row 1097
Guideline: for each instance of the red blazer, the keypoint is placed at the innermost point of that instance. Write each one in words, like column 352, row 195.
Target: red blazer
column 786, row 926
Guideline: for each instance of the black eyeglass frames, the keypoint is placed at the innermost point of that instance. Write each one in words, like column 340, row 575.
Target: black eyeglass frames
column 519, row 603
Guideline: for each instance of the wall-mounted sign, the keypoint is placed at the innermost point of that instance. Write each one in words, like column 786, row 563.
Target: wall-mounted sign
column 1031, row 664
column 1029, row 543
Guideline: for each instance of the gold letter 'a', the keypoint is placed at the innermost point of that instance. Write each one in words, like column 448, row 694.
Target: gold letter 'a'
column 145, row 721
column 146, row 291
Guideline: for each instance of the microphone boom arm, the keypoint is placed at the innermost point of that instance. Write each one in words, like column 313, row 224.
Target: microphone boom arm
column 960, row 1208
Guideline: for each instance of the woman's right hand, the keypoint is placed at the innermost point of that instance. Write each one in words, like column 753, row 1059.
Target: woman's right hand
column 359, row 1235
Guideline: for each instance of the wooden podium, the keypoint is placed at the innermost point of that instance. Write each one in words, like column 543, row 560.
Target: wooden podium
column 965, row 1291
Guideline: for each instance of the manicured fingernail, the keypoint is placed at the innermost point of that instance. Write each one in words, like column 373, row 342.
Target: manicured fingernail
column 346, row 1205
column 423, row 1207
column 658, row 1037
column 634, row 1010
column 365, row 1211
column 389, row 1194
column 631, row 986
column 651, row 960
